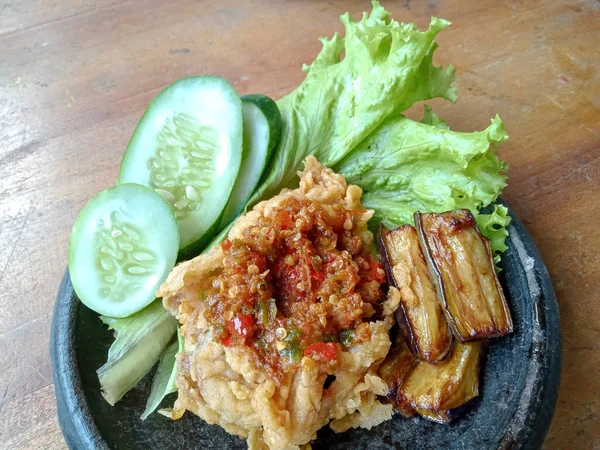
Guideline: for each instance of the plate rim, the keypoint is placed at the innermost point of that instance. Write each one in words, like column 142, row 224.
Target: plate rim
column 81, row 432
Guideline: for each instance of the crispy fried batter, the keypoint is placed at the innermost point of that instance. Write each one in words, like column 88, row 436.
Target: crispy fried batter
column 224, row 385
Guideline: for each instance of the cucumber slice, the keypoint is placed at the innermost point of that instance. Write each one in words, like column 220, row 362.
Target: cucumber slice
column 262, row 129
column 188, row 148
column 123, row 245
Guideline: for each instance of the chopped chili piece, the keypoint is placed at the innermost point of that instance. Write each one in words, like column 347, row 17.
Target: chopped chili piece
column 376, row 272
column 285, row 219
column 326, row 350
column 319, row 276
column 268, row 311
column 243, row 324
column 226, row 245
column 346, row 337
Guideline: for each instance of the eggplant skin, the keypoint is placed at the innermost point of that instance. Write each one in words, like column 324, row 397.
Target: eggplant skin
column 461, row 266
column 434, row 391
column 420, row 316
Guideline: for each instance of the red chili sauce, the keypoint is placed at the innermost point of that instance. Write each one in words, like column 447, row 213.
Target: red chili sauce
column 301, row 282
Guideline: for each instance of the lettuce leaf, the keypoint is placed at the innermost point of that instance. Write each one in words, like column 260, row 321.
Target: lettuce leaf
column 493, row 226
column 379, row 69
column 141, row 339
column 163, row 382
column 407, row 166
column 431, row 118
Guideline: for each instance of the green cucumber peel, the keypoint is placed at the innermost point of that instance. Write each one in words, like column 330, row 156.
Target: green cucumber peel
column 262, row 130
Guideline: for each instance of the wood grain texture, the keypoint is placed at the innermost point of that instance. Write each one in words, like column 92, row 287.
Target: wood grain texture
column 77, row 75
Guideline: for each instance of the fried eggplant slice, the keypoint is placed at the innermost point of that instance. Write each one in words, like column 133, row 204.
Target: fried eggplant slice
column 420, row 315
column 394, row 370
column 438, row 417
column 434, row 390
column 461, row 266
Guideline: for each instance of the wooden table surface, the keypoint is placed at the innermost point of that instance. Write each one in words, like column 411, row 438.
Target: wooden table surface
column 75, row 77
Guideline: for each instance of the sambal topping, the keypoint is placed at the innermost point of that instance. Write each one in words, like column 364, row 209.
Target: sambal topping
column 300, row 282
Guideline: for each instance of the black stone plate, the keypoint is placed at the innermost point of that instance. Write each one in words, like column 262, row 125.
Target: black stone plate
column 518, row 389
